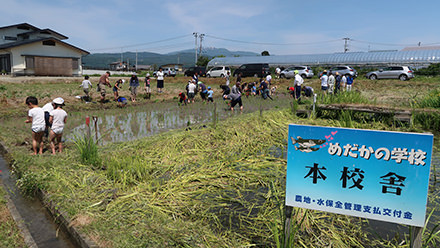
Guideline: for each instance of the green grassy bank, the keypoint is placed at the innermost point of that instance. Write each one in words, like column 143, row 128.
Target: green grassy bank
column 208, row 187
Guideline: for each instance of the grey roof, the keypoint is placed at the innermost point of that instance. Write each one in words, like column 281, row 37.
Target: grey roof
column 413, row 57
column 24, row 42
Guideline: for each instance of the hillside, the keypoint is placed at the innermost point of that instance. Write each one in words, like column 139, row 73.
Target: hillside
column 185, row 57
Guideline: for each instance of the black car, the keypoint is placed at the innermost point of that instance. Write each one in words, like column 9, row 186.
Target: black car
column 192, row 70
column 253, row 70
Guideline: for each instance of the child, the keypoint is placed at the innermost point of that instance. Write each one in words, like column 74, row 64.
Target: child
column 147, row 86
column 58, row 118
column 36, row 117
column 210, row 94
column 122, row 101
column 85, row 85
column 291, row 91
column 117, row 87
column 182, row 98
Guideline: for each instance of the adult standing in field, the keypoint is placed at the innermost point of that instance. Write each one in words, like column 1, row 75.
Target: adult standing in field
column 297, row 84
column 349, row 82
column 338, row 83
column 117, row 87
column 277, row 72
column 195, row 77
column 331, row 82
column 103, row 81
column 235, row 97
column 159, row 76
column 324, row 82
column 134, row 84
column 343, row 82
column 191, row 91
column 238, row 78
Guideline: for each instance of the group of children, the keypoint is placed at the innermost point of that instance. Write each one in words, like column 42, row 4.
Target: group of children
column 50, row 116
column 194, row 86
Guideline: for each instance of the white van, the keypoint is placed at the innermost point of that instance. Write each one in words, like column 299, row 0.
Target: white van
column 218, row 71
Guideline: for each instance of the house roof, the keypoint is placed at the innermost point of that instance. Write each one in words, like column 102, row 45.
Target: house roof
column 24, row 25
column 25, row 42
column 49, row 31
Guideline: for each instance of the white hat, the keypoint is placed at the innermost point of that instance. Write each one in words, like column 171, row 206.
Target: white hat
column 58, row 100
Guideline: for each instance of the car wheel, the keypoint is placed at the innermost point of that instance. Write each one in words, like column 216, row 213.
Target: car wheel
column 208, row 75
column 256, row 75
column 403, row 77
column 303, row 75
column 373, row 77
column 221, row 75
column 282, row 76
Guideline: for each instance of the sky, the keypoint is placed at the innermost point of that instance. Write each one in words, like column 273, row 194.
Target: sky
column 283, row 27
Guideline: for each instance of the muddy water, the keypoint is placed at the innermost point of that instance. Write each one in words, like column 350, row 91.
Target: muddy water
column 132, row 123
column 44, row 232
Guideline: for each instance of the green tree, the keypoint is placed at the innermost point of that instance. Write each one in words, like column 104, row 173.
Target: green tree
column 203, row 61
column 265, row 53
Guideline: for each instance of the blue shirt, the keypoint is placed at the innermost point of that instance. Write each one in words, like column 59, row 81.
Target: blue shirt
column 210, row 92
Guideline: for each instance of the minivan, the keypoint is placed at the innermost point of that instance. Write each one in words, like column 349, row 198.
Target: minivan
column 201, row 70
column 253, row 70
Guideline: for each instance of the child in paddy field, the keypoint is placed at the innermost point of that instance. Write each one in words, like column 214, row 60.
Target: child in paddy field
column 182, row 98
column 210, row 94
column 58, row 118
column 36, row 117
column 122, row 101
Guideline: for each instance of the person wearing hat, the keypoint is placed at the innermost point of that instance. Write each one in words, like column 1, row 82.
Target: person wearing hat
column 331, row 82
column 58, row 118
column 210, row 94
column 297, row 84
column 147, row 86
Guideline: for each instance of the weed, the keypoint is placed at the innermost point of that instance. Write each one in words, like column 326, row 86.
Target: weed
column 88, row 150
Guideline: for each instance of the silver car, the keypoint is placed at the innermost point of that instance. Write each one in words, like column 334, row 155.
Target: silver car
column 218, row 71
column 396, row 72
column 303, row 71
column 343, row 70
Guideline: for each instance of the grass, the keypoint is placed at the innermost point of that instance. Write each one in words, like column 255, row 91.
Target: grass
column 178, row 189
column 10, row 235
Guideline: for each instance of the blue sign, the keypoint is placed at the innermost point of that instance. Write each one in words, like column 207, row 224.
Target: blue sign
column 365, row 173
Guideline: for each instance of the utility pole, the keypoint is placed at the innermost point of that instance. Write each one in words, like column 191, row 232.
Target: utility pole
column 136, row 67
column 195, row 36
column 346, row 44
column 201, row 36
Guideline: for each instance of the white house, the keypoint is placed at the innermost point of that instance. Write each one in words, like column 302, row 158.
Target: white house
column 28, row 50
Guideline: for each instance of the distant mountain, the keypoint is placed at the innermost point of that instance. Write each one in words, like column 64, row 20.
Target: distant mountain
column 185, row 57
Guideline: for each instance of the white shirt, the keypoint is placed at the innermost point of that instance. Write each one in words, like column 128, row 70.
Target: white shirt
column 48, row 107
column 331, row 80
column 191, row 88
column 324, row 80
column 85, row 84
column 343, row 79
column 159, row 75
column 298, row 80
column 37, row 115
column 277, row 70
column 59, row 115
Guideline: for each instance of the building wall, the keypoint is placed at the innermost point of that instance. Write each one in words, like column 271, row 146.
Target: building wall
column 12, row 32
column 18, row 57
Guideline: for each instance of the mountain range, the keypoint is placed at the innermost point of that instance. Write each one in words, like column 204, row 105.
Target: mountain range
column 185, row 57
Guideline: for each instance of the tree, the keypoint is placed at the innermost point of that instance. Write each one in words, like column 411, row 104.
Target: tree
column 203, row 61
column 265, row 53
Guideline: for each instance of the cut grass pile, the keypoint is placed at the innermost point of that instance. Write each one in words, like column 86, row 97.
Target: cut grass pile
column 221, row 187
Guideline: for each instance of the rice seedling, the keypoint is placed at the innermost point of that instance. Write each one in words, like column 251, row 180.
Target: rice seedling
column 88, row 150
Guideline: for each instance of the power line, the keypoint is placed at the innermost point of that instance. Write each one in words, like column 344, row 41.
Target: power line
column 272, row 44
column 382, row 44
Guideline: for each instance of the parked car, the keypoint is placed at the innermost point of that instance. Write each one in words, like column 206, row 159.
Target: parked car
column 303, row 71
column 192, row 70
column 167, row 72
column 253, row 70
column 343, row 70
column 397, row 72
column 218, row 71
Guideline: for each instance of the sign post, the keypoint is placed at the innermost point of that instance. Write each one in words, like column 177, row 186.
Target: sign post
column 364, row 173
